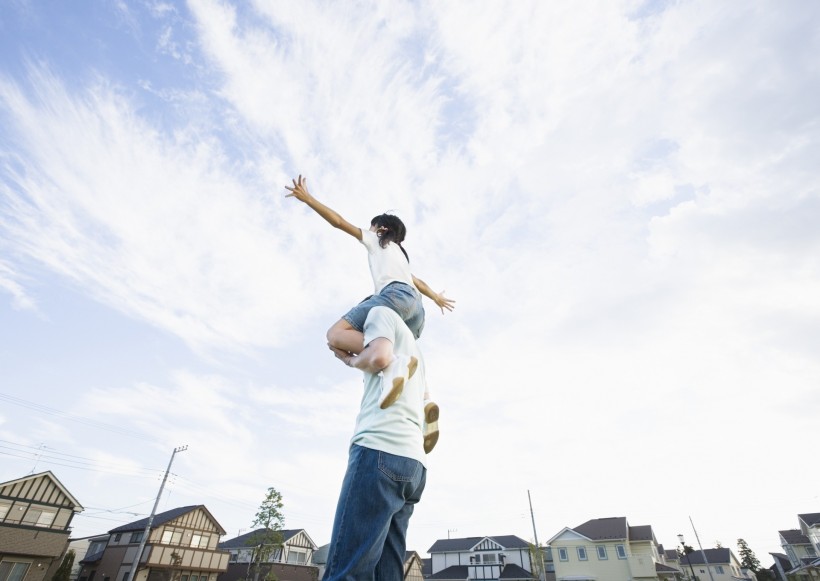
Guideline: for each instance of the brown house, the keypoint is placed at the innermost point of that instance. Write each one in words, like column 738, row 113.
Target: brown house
column 35, row 514
column 181, row 546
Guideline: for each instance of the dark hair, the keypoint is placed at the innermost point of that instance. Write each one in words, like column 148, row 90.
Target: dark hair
column 390, row 229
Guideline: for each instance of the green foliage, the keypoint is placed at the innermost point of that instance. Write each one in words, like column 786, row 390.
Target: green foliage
column 537, row 560
column 748, row 560
column 63, row 573
column 268, row 539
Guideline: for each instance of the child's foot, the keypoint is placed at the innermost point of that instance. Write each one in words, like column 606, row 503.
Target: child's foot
column 394, row 377
column 430, row 425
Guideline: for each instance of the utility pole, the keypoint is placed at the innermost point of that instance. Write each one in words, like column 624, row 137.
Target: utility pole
column 147, row 531
column 541, row 574
column 705, row 560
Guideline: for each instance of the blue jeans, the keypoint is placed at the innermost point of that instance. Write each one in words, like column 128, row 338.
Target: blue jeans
column 399, row 296
column 369, row 531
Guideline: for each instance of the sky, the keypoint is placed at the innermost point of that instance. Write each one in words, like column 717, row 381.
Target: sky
column 622, row 197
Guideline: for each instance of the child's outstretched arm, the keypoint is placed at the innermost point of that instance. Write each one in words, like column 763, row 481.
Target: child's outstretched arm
column 441, row 301
column 301, row 193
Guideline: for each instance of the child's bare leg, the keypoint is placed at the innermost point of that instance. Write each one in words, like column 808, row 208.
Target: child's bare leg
column 343, row 336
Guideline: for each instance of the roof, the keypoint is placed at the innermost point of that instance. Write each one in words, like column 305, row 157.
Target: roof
column 714, row 556
column 795, row 537
column 811, row 519
column 641, row 533
column 671, row 555
column 600, row 529
column 456, row 572
column 164, row 517
column 467, row 543
column 320, row 555
column 513, row 571
column 661, row 568
column 248, row 539
column 93, row 558
column 12, row 488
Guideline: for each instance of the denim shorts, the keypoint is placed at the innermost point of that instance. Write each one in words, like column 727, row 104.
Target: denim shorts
column 398, row 296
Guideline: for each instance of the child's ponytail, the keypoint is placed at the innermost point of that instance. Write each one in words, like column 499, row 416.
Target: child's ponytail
column 390, row 228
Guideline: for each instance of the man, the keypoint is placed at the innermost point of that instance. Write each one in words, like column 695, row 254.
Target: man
column 386, row 470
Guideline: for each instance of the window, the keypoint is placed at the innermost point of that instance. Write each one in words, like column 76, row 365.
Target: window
column 601, row 549
column 719, row 569
column 582, row 553
column 117, row 537
column 194, row 578
column 621, row 550
column 13, row 570
column 126, row 576
column 39, row 517
column 491, row 558
column 136, row 537
column 195, row 540
column 297, row 557
column 171, row 537
column 563, row 554
column 810, row 551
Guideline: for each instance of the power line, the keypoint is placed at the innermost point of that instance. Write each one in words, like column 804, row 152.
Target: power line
column 73, row 417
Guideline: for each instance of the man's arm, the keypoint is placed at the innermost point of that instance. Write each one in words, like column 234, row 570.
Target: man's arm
column 301, row 193
column 441, row 301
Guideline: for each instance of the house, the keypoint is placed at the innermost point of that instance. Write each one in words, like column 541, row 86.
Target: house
column 84, row 547
column 412, row 566
column 181, row 546
column 413, row 563
column 292, row 561
column 718, row 564
column 802, row 547
column 610, row 548
column 491, row 558
column 35, row 518
column 780, row 566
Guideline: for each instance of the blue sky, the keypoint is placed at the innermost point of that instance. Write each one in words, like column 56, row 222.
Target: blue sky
column 621, row 196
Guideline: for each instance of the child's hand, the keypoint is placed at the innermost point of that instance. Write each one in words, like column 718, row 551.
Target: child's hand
column 299, row 190
column 443, row 302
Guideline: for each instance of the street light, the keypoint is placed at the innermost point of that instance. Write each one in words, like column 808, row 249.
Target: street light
column 688, row 560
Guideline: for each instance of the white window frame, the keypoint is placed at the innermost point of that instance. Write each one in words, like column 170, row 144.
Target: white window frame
column 582, row 553
column 719, row 569
column 563, row 554
column 598, row 550
column 620, row 550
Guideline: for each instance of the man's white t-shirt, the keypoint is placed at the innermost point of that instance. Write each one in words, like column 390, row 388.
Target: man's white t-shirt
column 387, row 264
column 397, row 429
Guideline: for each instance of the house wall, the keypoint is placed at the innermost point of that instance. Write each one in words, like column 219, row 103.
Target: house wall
column 33, row 542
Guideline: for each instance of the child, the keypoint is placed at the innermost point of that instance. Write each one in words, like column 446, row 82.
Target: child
column 395, row 287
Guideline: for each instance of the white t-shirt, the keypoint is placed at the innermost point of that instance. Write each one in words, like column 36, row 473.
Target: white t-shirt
column 397, row 429
column 387, row 264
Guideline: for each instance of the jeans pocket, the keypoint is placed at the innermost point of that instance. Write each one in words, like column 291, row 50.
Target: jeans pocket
column 399, row 468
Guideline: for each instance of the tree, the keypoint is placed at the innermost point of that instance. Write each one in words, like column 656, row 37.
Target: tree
column 537, row 560
column 63, row 572
column 718, row 545
column 686, row 550
column 748, row 560
column 267, row 539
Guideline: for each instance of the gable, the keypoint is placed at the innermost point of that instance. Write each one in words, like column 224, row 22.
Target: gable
column 199, row 518
column 487, row 544
column 43, row 488
column 568, row 535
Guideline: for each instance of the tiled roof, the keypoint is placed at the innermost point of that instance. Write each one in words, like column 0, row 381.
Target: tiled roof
column 641, row 533
column 661, row 568
column 671, row 555
column 159, row 519
column 467, row 543
column 714, row 556
column 513, row 571
column 163, row 518
column 455, row 573
column 811, row 519
column 93, row 558
column 795, row 537
column 248, row 539
column 599, row 529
